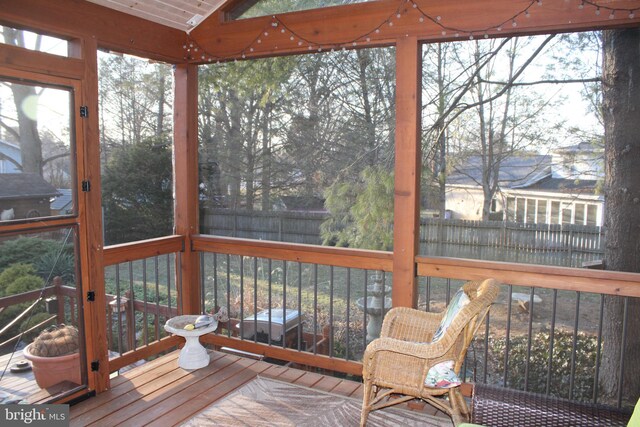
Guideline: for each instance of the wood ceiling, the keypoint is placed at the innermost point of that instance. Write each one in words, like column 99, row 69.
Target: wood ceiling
column 180, row 14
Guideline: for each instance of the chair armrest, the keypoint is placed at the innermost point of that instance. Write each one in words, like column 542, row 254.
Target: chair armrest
column 408, row 324
column 420, row 350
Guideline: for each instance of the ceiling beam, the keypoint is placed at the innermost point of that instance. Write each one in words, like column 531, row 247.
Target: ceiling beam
column 383, row 22
column 112, row 29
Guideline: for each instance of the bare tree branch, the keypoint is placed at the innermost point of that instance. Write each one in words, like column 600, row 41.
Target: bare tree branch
column 540, row 82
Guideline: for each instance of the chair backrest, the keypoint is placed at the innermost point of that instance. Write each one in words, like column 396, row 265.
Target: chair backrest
column 465, row 324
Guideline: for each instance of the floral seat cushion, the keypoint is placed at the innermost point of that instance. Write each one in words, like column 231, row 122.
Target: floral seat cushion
column 442, row 374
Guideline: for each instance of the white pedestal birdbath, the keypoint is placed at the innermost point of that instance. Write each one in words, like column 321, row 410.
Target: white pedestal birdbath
column 193, row 355
column 376, row 294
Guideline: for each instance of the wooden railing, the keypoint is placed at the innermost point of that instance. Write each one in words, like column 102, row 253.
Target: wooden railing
column 433, row 272
column 361, row 262
column 122, row 308
column 61, row 293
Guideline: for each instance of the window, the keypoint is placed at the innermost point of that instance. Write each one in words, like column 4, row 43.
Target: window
column 136, row 141
column 33, row 41
column 592, row 215
column 531, row 211
column 511, row 208
column 555, row 213
column 37, row 164
column 566, row 216
column 541, row 214
column 520, row 209
column 530, row 152
column 299, row 149
column 579, row 214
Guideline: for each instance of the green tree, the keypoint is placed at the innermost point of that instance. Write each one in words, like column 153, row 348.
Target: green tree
column 25, row 250
column 137, row 192
column 621, row 92
column 361, row 212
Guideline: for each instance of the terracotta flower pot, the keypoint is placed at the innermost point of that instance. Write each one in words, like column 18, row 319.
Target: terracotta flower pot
column 53, row 370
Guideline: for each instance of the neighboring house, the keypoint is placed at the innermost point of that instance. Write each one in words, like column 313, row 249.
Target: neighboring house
column 63, row 204
column 556, row 189
column 28, row 194
column 9, row 151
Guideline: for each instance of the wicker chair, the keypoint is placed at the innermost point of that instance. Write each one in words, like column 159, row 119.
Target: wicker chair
column 395, row 365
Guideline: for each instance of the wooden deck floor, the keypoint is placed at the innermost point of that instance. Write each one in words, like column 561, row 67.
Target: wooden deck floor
column 159, row 393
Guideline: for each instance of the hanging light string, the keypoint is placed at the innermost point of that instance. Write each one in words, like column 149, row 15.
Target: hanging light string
column 195, row 53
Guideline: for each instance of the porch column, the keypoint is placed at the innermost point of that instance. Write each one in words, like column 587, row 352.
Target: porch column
column 185, row 180
column 406, row 228
column 90, row 251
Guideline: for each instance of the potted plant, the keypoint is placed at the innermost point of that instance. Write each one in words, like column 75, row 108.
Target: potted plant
column 54, row 355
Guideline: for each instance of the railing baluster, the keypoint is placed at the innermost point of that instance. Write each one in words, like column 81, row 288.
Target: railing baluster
column 364, row 309
column 530, row 326
column 623, row 344
column 596, row 379
column 284, row 302
column 348, row 312
column 428, row 294
column 203, row 295
column 255, row 299
column 552, row 334
column 241, row 265
column 299, row 308
column 145, row 319
column 215, row 282
column 118, row 303
column 505, row 375
column 255, row 322
column 131, row 317
column 486, row 347
column 168, row 266
column 229, row 296
column 331, row 280
column 574, row 346
column 179, row 281
column 157, row 316
column 315, row 308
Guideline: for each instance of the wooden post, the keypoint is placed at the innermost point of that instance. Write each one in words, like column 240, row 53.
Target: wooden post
column 90, row 222
column 185, row 180
column 57, row 282
column 406, row 227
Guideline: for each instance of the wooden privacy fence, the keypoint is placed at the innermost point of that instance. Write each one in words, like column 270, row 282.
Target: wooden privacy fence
column 556, row 244
column 279, row 226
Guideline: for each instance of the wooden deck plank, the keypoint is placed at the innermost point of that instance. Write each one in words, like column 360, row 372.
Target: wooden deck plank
column 309, row 379
column 327, row 383
column 162, row 361
column 346, row 388
column 198, row 396
column 273, row 371
column 124, row 385
column 162, row 394
column 290, row 375
column 157, row 392
column 205, row 399
column 126, row 399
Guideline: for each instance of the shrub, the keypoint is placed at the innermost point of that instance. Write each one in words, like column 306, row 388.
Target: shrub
column 561, row 365
column 25, row 250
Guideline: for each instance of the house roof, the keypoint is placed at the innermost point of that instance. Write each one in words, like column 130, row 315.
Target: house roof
column 25, row 185
column 64, row 200
column 563, row 185
column 515, row 171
